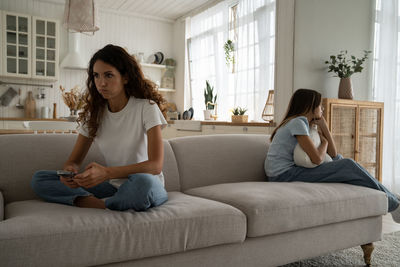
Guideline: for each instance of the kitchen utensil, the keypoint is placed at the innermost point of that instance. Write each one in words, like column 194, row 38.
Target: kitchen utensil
column 54, row 110
column 30, row 106
column 19, row 105
column 45, row 112
column 6, row 98
column 151, row 59
column 160, row 57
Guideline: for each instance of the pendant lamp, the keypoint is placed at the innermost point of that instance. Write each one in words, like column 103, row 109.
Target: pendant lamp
column 80, row 16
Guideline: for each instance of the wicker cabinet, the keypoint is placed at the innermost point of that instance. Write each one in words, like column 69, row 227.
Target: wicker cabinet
column 357, row 129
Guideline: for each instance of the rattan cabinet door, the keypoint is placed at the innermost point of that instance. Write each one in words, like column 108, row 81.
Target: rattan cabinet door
column 368, row 139
column 344, row 129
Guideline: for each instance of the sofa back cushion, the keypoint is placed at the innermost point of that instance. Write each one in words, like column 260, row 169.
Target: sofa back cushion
column 214, row 159
column 24, row 154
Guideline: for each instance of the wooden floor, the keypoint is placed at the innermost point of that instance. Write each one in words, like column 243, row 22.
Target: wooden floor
column 389, row 225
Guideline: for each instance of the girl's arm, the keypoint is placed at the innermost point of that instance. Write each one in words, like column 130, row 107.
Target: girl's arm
column 95, row 173
column 327, row 134
column 78, row 153
column 74, row 161
column 317, row 155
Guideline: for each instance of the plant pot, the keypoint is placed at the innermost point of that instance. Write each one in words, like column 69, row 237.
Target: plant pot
column 239, row 118
column 345, row 89
column 207, row 114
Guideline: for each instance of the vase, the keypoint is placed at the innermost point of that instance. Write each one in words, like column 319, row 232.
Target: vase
column 345, row 89
column 207, row 114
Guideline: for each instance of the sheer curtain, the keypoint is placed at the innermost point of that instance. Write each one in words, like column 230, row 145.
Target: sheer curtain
column 255, row 56
column 386, row 86
column 208, row 31
column 248, row 86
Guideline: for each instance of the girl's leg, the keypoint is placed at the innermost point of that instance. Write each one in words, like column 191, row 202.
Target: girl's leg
column 140, row 192
column 48, row 186
column 339, row 171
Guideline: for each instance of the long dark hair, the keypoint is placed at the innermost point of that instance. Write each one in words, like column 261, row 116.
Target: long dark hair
column 302, row 101
column 137, row 85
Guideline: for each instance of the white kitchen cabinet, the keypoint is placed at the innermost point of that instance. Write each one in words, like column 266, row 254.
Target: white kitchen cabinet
column 45, row 48
column 171, row 132
column 13, row 125
column 29, row 51
column 16, row 45
column 168, row 132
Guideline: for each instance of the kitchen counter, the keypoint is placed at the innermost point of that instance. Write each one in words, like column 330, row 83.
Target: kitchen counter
column 228, row 123
column 30, row 119
column 5, row 131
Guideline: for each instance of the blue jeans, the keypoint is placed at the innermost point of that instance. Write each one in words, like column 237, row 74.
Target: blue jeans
column 140, row 192
column 339, row 170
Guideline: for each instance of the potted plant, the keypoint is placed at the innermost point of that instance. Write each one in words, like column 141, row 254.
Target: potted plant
column 238, row 115
column 229, row 48
column 210, row 101
column 345, row 67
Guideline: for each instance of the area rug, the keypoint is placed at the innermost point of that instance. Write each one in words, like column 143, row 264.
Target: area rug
column 386, row 254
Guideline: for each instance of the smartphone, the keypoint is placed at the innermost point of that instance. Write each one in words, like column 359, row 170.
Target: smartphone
column 67, row 174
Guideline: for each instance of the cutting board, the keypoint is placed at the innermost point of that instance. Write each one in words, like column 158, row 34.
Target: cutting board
column 30, row 106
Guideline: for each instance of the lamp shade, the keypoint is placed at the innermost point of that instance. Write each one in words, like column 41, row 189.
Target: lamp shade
column 80, row 16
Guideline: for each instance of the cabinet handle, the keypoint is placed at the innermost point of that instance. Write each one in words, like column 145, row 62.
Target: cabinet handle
column 245, row 129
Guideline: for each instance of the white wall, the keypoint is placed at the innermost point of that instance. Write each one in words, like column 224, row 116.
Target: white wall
column 323, row 28
column 135, row 33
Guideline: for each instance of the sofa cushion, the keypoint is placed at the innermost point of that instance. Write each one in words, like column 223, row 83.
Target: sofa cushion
column 214, row 159
column 273, row 207
column 48, row 234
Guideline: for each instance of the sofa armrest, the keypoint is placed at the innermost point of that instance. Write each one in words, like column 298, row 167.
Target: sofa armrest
column 1, row 207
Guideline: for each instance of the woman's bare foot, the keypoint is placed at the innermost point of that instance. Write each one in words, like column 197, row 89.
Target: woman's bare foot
column 89, row 202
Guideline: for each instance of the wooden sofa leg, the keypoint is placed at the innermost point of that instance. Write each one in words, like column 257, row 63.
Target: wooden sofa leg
column 367, row 249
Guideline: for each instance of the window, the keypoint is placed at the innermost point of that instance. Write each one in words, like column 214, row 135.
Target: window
column 386, row 85
column 250, row 24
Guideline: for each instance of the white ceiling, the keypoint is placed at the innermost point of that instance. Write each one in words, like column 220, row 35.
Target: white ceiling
column 162, row 9
column 166, row 9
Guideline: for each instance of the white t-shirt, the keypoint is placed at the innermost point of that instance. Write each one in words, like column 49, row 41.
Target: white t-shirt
column 122, row 136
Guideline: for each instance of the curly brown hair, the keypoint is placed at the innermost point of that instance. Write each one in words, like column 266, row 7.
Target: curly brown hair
column 137, row 85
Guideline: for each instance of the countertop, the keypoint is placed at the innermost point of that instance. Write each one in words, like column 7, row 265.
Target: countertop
column 228, row 123
column 30, row 119
column 11, row 131
column 208, row 122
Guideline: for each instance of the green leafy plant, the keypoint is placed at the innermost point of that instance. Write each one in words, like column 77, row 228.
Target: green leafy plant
column 208, row 96
column 239, row 111
column 229, row 48
column 345, row 67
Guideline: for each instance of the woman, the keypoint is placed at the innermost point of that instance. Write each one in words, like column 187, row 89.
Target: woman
column 122, row 116
column 305, row 109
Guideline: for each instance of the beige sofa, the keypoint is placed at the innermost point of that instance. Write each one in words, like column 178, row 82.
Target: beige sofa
column 221, row 211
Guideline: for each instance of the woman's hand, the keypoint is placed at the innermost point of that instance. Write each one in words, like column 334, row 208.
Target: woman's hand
column 322, row 137
column 68, row 181
column 322, row 124
column 93, row 175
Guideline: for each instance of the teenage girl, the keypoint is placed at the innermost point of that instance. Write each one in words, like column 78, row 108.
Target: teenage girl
column 305, row 109
column 122, row 115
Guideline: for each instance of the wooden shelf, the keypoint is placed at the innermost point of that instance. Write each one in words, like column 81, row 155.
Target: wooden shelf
column 157, row 66
column 169, row 90
column 363, row 121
